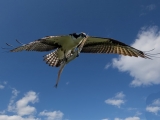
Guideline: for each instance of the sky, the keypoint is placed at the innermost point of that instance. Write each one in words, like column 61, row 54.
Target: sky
column 93, row 86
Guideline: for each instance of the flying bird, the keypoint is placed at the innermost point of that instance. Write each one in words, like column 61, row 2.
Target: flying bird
column 68, row 47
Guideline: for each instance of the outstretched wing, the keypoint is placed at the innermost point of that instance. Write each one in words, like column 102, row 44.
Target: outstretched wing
column 108, row 45
column 44, row 44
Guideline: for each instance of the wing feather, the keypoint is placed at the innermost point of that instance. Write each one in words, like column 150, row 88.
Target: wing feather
column 108, row 49
column 44, row 44
column 124, row 52
column 108, row 45
column 34, row 46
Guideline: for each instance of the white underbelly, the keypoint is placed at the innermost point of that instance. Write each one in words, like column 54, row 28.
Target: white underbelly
column 60, row 53
column 67, row 46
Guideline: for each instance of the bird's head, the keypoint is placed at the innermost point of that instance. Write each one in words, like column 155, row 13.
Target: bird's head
column 76, row 36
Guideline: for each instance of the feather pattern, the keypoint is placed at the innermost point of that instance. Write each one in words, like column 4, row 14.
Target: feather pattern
column 52, row 59
column 44, row 44
column 108, row 45
column 34, row 46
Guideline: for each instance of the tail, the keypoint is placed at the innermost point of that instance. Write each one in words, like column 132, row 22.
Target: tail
column 52, row 59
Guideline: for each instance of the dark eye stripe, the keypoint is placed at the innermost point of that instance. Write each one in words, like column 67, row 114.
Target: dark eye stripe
column 75, row 35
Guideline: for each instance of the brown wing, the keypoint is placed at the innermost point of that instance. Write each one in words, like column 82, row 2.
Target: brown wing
column 44, row 44
column 108, row 45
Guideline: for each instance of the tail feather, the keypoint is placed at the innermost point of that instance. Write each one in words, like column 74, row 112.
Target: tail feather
column 52, row 59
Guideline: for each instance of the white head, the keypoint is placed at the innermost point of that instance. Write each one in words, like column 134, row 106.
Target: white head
column 76, row 36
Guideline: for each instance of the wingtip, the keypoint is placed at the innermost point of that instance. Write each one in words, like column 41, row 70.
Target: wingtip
column 19, row 42
column 9, row 45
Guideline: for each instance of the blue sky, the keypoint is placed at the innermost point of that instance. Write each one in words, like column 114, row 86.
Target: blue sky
column 93, row 86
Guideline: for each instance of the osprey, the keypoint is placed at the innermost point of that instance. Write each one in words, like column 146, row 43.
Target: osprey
column 67, row 47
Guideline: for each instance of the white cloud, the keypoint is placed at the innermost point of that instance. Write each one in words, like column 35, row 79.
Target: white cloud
column 144, row 71
column 105, row 119
column 55, row 115
column 5, row 82
column 151, row 7
column 156, row 102
column 2, row 112
column 16, row 117
column 138, row 113
column 117, row 119
column 114, row 102
column 15, row 92
column 108, row 65
column 153, row 109
column 120, row 95
column 117, row 100
column 1, row 86
column 132, row 118
column 128, row 118
column 22, row 106
column 20, row 110
column 11, row 105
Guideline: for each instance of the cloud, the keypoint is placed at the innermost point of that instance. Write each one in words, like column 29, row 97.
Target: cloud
column 128, row 118
column 117, row 100
column 120, row 95
column 156, row 102
column 22, row 106
column 67, row 83
column 1, row 86
column 151, row 7
column 138, row 113
column 21, row 110
column 114, row 102
column 16, row 117
column 55, row 115
column 5, row 82
column 11, row 105
column 108, row 65
column 105, row 119
column 117, row 119
column 15, row 92
column 154, row 107
column 146, row 9
column 2, row 112
column 132, row 118
column 144, row 71
column 132, row 108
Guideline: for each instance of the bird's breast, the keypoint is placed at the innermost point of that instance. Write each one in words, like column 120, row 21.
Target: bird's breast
column 70, row 43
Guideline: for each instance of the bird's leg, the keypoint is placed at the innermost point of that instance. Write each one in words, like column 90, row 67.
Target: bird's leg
column 78, row 51
column 80, row 46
